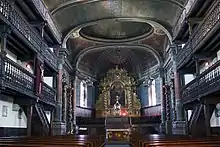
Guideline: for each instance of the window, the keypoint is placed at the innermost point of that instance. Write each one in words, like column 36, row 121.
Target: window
column 152, row 94
column 83, row 94
column 4, row 111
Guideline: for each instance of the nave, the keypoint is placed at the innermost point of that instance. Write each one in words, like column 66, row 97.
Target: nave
column 92, row 73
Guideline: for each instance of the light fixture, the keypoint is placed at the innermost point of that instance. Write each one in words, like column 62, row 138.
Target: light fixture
column 28, row 65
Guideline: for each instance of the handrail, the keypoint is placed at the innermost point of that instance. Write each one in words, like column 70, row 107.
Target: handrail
column 209, row 24
column 211, row 68
column 201, row 84
column 12, row 16
column 45, row 13
column 186, row 11
column 18, row 66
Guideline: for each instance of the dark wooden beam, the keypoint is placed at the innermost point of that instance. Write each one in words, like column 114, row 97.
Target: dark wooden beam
column 206, row 109
column 195, row 20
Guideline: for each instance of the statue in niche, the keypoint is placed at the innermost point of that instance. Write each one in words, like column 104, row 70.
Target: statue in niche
column 117, row 93
column 117, row 106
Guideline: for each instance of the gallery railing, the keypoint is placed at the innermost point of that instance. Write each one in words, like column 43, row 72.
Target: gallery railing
column 12, row 16
column 48, row 94
column 186, row 11
column 39, row 4
column 206, row 83
column 209, row 24
column 17, row 78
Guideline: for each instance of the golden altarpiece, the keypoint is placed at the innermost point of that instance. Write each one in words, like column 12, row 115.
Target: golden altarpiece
column 118, row 95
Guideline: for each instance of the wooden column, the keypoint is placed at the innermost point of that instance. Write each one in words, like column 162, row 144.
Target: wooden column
column 63, row 53
column 163, row 101
column 179, row 116
column 186, row 121
column 59, row 127
column 29, row 119
column 74, row 101
column 39, row 73
column 206, row 108
column 4, row 32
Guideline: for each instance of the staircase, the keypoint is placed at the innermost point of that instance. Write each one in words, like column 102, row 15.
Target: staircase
column 196, row 121
column 43, row 118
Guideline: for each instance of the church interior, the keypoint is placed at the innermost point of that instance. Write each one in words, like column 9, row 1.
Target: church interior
column 109, row 73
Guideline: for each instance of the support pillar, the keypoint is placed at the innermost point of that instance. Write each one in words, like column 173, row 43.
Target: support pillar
column 29, row 119
column 59, row 127
column 75, row 127
column 39, row 73
column 179, row 123
column 186, row 120
column 206, row 108
column 69, row 109
column 163, row 102
column 168, row 124
column 4, row 32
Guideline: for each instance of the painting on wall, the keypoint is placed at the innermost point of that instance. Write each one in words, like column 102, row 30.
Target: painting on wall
column 4, row 111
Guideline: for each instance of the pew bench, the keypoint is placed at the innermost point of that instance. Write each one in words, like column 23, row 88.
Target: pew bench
column 175, row 141
column 55, row 141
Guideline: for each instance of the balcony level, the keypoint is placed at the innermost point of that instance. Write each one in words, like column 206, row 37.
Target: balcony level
column 16, row 80
column 201, row 36
column 28, row 34
column 206, row 85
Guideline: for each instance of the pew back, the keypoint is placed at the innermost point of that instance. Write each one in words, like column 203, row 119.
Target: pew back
column 177, row 141
column 55, row 141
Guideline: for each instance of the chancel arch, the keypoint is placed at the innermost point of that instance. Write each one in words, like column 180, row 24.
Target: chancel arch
column 136, row 50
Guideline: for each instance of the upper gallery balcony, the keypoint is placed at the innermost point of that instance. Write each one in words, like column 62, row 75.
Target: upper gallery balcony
column 45, row 14
column 206, row 83
column 17, row 79
column 185, row 13
column 203, row 32
column 26, row 32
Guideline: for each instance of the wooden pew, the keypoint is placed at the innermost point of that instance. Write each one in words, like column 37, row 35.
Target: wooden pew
column 175, row 141
column 55, row 141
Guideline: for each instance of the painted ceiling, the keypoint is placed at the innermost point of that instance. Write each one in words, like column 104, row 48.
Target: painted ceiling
column 101, row 34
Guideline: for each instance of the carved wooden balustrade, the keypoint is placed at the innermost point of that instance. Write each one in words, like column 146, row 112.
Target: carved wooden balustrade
column 39, row 4
column 17, row 78
column 48, row 94
column 209, row 24
column 206, row 83
column 11, row 16
column 186, row 11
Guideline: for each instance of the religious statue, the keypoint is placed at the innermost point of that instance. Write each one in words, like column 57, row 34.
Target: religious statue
column 117, row 91
column 117, row 106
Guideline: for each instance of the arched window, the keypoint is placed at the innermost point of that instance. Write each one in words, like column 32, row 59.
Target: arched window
column 83, row 94
column 152, row 94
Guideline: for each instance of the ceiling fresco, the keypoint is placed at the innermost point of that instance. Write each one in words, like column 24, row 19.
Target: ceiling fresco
column 125, row 30
column 116, row 31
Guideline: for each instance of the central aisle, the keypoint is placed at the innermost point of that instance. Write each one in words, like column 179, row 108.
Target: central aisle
column 117, row 144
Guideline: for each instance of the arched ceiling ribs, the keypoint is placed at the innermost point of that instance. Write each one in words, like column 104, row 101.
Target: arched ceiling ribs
column 63, row 5
column 154, row 10
column 154, row 23
column 97, row 48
